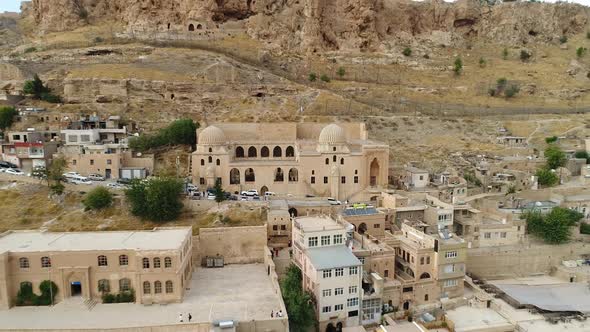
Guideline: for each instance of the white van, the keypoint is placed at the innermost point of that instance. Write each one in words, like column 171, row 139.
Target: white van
column 78, row 179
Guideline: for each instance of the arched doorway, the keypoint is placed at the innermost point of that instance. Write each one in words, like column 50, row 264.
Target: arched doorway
column 263, row 190
column 406, row 305
column 330, row 328
column 234, row 176
column 362, row 228
column 191, row 27
column 293, row 212
column 374, row 172
column 199, row 26
column 339, row 327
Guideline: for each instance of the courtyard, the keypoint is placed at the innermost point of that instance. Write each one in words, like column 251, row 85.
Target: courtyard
column 234, row 292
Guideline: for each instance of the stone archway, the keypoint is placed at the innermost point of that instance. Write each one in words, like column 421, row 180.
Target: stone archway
column 362, row 228
column 263, row 190
column 406, row 305
column 330, row 328
column 293, row 212
column 374, row 172
column 191, row 27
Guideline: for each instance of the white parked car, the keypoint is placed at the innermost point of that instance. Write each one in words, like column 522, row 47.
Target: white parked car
column 211, row 197
column 115, row 186
column 96, row 177
column 80, row 180
column 14, row 171
column 334, row 201
column 69, row 175
column 251, row 192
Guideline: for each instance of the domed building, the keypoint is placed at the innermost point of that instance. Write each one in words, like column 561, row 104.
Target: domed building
column 329, row 160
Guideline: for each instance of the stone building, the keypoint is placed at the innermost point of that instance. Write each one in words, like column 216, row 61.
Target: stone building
column 334, row 160
column 156, row 264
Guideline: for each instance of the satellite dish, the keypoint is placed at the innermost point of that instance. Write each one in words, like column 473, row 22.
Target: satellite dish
column 139, row 154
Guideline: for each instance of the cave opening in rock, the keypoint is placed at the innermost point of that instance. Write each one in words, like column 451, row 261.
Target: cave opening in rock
column 199, row 26
column 172, row 96
column 532, row 33
column 463, row 22
column 168, row 26
column 191, row 27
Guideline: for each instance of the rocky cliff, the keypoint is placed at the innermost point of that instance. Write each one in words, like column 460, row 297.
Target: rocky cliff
column 319, row 25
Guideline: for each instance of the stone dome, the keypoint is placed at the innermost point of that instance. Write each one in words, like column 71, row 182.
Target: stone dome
column 212, row 135
column 332, row 134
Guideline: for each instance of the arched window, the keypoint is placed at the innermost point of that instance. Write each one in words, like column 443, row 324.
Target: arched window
column 202, row 162
column 234, row 176
column 293, row 175
column 264, row 152
column 167, row 262
column 146, row 263
column 191, row 27
column 210, row 150
column 210, row 159
column 327, row 161
column 45, row 261
column 218, row 162
column 426, row 297
column 157, row 287
column 290, row 152
column 157, row 263
column 124, row 285
column 249, row 175
column 104, row 286
column 279, row 176
column 239, row 152
column 123, row 260
column 169, row 287
column 334, row 159
column 23, row 262
column 277, row 152
column 341, row 161
column 147, row 287
column 252, row 152
column 425, row 275
column 102, row 260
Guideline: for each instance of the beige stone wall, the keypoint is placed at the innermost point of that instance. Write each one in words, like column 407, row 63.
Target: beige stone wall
column 94, row 163
column 374, row 223
column 522, row 260
column 145, row 161
column 237, row 245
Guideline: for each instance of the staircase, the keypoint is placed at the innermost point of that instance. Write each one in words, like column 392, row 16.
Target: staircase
column 90, row 303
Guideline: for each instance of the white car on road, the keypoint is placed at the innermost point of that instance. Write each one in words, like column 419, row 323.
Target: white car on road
column 14, row 171
column 251, row 192
column 80, row 180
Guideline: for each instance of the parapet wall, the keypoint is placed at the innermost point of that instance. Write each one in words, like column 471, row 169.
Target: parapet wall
column 237, row 245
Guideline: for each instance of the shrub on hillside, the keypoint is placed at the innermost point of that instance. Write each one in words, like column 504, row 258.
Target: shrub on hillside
column 98, row 198
column 325, row 78
column 407, row 51
column 525, row 55
column 181, row 131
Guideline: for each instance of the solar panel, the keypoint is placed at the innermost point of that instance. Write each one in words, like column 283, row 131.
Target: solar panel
column 360, row 212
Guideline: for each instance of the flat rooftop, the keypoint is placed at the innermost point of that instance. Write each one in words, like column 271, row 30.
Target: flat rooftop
column 551, row 297
column 317, row 223
column 236, row 292
column 33, row 241
column 331, row 257
column 468, row 319
column 360, row 211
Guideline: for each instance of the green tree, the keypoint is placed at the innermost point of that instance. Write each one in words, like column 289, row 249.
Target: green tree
column 312, row 77
column 580, row 51
column 55, row 175
column 7, row 115
column 35, row 87
column 546, row 177
column 341, row 72
column 458, row 66
column 219, row 193
column 181, row 131
column 48, row 292
column 157, row 199
column 555, row 157
column 583, row 155
column 298, row 302
column 98, row 198
column 505, row 54
column 407, row 51
column 554, row 227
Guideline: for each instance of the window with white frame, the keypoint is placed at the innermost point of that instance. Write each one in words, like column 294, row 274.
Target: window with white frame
column 327, row 309
column 338, row 291
column 352, row 289
column 353, row 302
column 503, row 235
column 325, row 240
column 339, row 272
column 353, row 270
column 327, row 273
column 312, row 241
column 338, row 239
column 487, row 235
column 451, row 254
column 450, row 283
column 327, row 292
column 339, row 307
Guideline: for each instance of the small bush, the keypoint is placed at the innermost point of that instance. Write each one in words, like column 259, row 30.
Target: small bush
column 108, row 298
column 31, row 49
column 546, row 177
column 57, row 189
column 458, row 66
column 50, row 98
column 502, row 82
column 407, row 51
column 551, row 139
column 482, row 62
column 580, row 52
column 563, row 39
column 312, row 77
column 584, row 228
column 525, row 55
column 583, row 155
column 98, row 198
column 98, row 40
column 511, row 91
column 341, row 72
column 325, row 78
column 505, row 54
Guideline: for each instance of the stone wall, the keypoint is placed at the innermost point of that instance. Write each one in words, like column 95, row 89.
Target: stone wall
column 193, row 327
column 512, row 261
column 237, row 245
